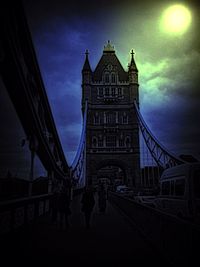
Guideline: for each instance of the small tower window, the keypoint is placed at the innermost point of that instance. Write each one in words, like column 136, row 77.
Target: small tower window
column 111, row 118
column 113, row 78
column 113, row 91
column 121, row 140
column 125, row 118
column 120, row 91
column 100, row 141
column 108, row 118
column 107, row 78
column 96, row 118
column 110, row 141
column 107, row 91
column 100, row 91
column 128, row 141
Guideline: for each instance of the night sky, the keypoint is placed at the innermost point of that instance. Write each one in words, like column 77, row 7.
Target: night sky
column 168, row 63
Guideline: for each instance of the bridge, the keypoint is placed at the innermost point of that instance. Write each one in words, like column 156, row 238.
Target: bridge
column 129, row 232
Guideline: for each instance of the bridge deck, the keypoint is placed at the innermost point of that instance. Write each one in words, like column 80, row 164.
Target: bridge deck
column 111, row 240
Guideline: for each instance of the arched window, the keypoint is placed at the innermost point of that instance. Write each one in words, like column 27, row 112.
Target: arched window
column 107, row 91
column 111, row 141
column 100, row 91
column 113, row 91
column 113, row 78
column 119, row 91
column 107, row 78
column 128, row 141
column 125, row 118
column 121, row 140
column 111, row 118
column 100, row 141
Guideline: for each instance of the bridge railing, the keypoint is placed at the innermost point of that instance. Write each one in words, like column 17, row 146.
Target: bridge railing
column 174, row 238
column 19, row 212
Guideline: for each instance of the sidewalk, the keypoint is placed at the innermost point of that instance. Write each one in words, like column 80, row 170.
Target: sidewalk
column 111, row 241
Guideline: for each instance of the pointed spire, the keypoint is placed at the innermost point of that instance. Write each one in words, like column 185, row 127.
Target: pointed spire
column 86, row 66
column 132, row 66
column 109, row 48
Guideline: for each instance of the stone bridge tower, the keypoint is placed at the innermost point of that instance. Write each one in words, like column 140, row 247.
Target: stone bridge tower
column 112, row 130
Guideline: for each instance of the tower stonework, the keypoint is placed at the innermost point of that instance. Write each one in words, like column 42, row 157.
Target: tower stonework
column 112, row 131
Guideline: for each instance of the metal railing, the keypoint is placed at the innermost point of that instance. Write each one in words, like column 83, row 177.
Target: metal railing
column 19, row 212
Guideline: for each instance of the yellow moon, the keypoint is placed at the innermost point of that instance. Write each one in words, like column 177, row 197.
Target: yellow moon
column 176, row 19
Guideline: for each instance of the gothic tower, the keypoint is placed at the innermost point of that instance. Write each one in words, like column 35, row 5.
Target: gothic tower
column 112, row 130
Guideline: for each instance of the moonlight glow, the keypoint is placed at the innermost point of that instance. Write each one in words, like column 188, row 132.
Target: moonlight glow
column 176, row 19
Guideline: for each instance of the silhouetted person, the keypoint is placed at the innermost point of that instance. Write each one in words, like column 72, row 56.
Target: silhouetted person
column 64, row 207
column 102, row 196
column 88, row 203
column 54, row 204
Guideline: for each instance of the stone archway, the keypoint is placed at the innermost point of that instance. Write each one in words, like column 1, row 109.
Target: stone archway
column 95, row 164
column 111, row 168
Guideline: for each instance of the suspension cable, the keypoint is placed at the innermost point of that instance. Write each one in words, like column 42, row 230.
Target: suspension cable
column 161, row 155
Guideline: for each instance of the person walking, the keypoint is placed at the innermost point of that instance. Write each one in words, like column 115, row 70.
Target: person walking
column 88, row 202
column 54, row 203
column 64, row 207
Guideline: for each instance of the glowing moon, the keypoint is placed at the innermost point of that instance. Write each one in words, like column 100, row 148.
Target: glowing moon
column 176, row 19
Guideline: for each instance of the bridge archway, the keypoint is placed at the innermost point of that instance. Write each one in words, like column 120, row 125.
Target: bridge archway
column 114, row 172
column 96, row 168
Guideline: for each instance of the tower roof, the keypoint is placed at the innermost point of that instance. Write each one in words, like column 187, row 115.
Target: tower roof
column 108, row 48
column 132, row 66
column 86, row 66
column 109, row 58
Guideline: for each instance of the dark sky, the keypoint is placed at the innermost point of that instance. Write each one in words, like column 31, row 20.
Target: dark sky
column 168, row 63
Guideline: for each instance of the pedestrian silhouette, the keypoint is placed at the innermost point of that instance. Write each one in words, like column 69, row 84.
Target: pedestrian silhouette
column 88, row 203
column 54, row 203
column 64, row 207
column 102, row 198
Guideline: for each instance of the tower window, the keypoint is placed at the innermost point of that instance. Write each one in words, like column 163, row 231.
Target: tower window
column 100, row 91
column 113, row 78
column 113, row 91
column 100, row 142
column 111, row 141
column 107, row 78
column 106, row 91
column 125, row 118
column 128, row 141
column 96, row 118
column 120, row 91
column 111, row 118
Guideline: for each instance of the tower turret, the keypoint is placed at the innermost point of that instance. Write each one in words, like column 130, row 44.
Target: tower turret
column 132, row 70
column 86, row 80
column 86, row 71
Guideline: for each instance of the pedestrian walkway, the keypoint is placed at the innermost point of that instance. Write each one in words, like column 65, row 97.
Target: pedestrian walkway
column 111, row 241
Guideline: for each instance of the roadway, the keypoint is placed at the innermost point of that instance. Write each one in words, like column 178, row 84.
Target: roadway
column 112, row 240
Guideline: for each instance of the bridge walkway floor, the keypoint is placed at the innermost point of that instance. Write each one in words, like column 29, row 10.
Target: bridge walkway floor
column 111, row 241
